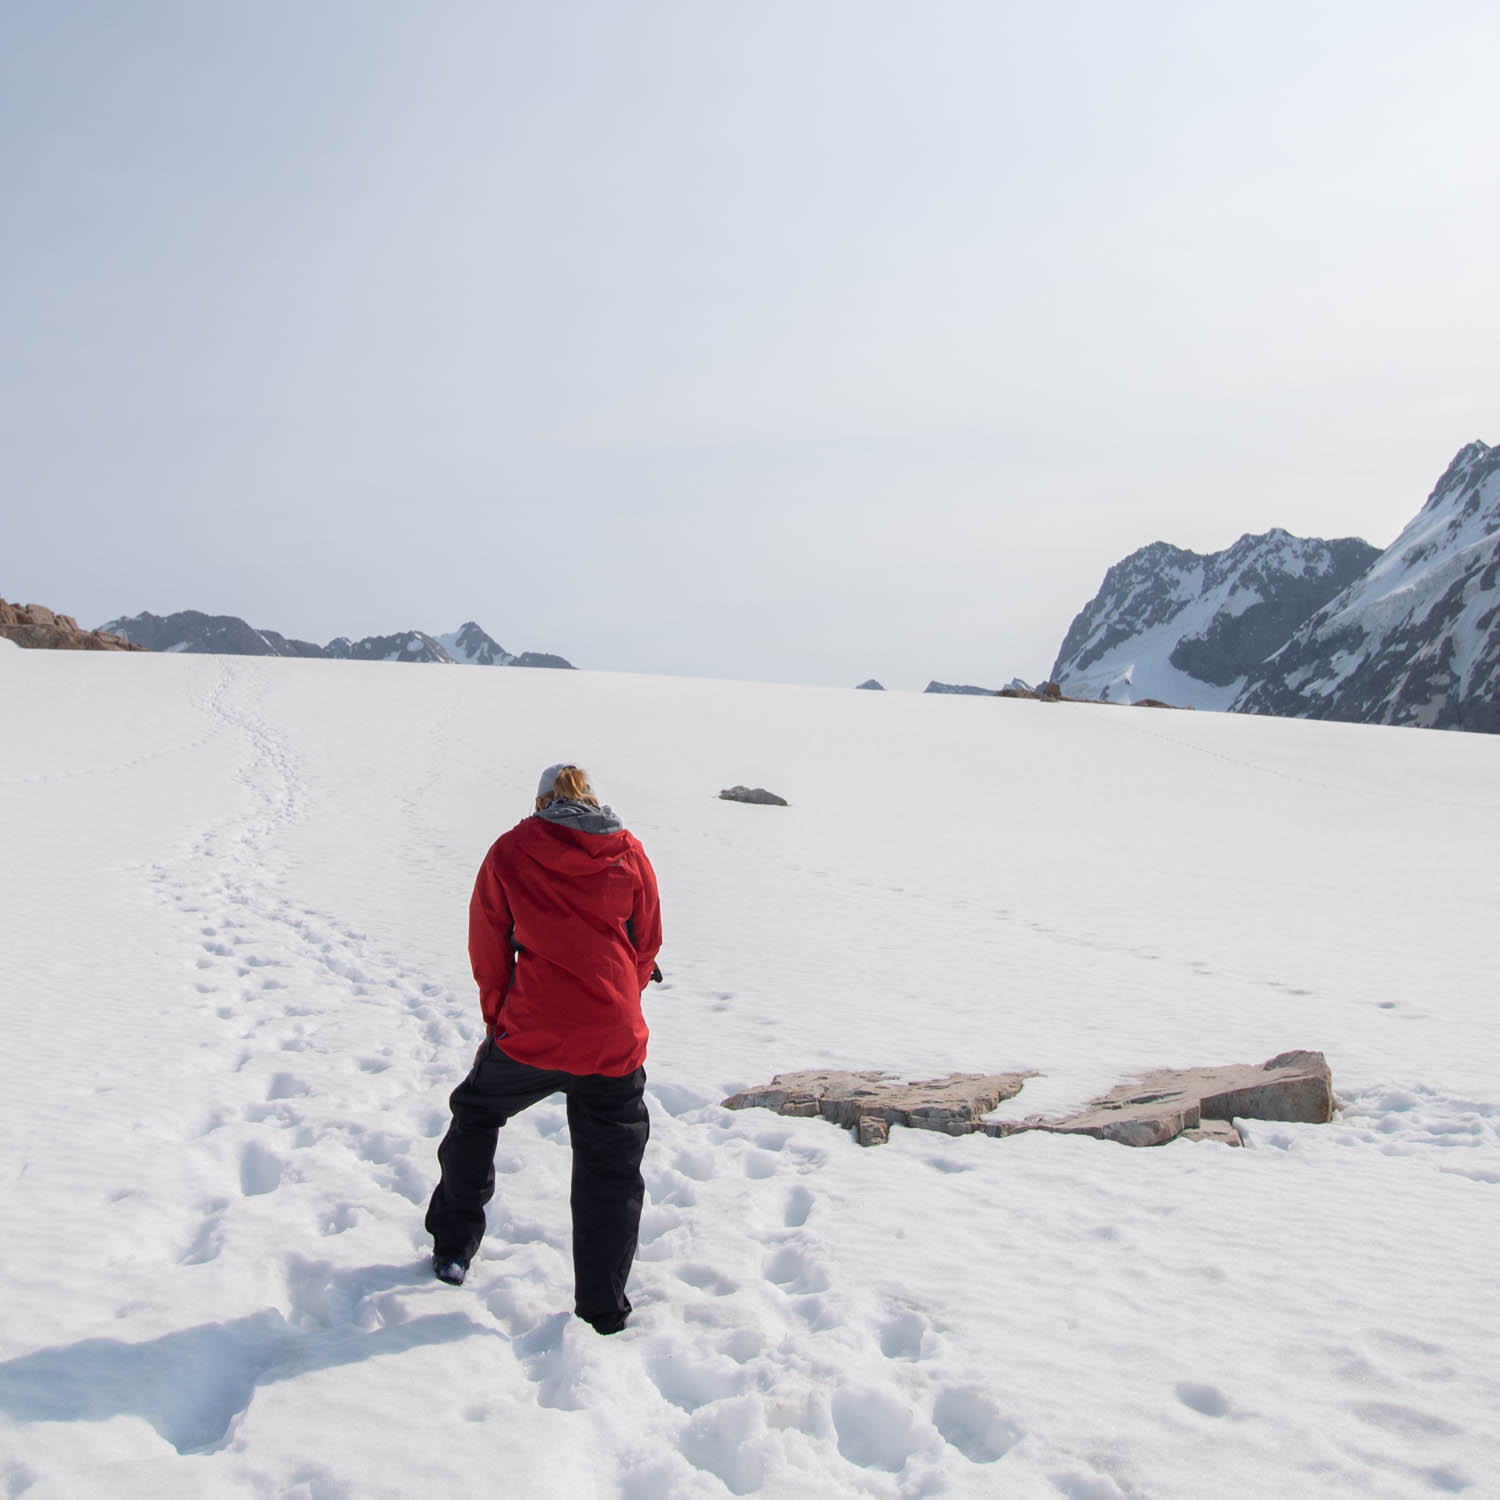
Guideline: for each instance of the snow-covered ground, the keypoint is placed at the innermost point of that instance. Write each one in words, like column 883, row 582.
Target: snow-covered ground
column 234, row 996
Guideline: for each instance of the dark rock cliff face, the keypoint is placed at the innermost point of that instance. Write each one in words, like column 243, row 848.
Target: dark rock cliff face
column 1190, row 627
column 1233, row 645
column 541, row 659
column 1416, row 638
column 409, row 645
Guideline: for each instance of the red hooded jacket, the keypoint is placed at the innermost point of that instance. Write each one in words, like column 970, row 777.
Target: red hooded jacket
column 564, row 928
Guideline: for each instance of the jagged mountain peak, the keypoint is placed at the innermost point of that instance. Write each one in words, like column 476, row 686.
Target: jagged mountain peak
column 1460, row 475
column 405, row 645
column 1416, row 638
column 471, row 645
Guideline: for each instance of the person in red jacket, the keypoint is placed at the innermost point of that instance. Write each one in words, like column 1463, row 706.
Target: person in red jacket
column 564, row 929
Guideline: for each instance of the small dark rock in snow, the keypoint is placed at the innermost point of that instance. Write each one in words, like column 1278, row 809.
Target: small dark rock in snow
column 872, row 685
column 756, row 794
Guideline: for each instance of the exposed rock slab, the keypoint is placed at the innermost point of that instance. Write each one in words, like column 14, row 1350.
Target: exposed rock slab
column 870, row 1103
column 1150, row 1110
column 1159, row 1106
column 756, row 794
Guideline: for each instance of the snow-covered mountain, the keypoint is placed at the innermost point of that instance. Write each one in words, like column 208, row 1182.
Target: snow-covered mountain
column 227, row 635
column 1190, row 628
column 405, row 645
column 473, row 647
column 1416, row 638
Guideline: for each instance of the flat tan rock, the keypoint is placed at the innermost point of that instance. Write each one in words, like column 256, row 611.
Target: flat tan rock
column 1150, row 1110
column 1159, row 1106
column 860, row 1101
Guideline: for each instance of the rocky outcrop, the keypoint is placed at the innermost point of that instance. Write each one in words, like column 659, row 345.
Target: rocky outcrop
column 755, row 794
column 1150, row 1110
column 41, row 629
column 870, row 685
column 965, row 688
column 543, row 659
column 1416, row 638
column 870, row 1103
column 1192, row 628
column 1158, row 1107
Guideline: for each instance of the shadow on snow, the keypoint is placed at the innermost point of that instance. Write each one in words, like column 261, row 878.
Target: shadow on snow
column 192, row 1384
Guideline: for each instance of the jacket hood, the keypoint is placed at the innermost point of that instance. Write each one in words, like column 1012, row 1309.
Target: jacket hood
column 568, row 849
column 583, row 816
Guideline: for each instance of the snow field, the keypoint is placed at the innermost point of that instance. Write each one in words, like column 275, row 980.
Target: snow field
column 235, row 997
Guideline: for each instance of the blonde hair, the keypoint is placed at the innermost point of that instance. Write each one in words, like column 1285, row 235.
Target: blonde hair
column 570, row 785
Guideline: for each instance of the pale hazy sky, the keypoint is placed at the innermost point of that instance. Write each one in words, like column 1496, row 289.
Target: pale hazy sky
column 803, row 341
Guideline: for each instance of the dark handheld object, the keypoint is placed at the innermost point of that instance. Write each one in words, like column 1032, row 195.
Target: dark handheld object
column 655, row 973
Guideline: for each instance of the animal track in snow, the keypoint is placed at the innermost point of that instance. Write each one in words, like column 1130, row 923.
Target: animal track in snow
column 706, row 1279
column 343, row 1217
column 693, row 1383
column 260, row 1170
column 700, row 1165
column 969, row 1421
column 209, row 1239
column 903, row 1335
column 1208, row 1400
column 793, row 1270
column 727, row 1439
column 876, row 1429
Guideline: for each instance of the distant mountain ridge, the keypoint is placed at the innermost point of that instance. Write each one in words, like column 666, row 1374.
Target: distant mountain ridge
column 190, row 630
column 1305, row 628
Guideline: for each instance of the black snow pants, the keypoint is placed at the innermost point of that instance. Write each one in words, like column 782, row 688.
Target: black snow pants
column 608, row 1126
